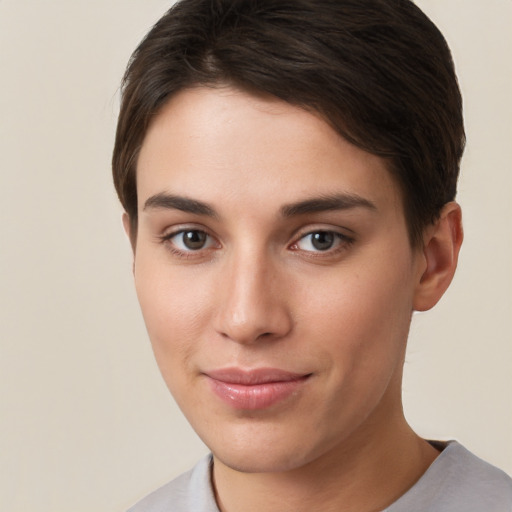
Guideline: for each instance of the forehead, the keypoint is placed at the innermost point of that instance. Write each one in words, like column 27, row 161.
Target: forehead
column 223, row 143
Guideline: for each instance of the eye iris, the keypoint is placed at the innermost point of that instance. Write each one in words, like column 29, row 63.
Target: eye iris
column 194, row 239
column 322, row 241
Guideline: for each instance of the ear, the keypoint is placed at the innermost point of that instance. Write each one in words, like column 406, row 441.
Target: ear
column 129, row 231
column 440, row 253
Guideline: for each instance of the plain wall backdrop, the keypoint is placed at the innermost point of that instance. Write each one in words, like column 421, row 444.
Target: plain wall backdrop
column 86, row 423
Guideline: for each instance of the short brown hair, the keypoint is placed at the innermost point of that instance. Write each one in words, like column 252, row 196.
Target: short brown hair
column 379, row 71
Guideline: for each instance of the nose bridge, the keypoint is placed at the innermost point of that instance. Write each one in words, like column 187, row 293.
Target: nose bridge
column 254, row 305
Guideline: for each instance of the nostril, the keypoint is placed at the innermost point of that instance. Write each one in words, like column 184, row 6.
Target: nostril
column 267, row 337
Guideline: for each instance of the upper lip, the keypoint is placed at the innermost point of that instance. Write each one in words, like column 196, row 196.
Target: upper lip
column 252, row 377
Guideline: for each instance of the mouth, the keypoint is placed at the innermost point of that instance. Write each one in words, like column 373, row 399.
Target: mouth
column 254, row 389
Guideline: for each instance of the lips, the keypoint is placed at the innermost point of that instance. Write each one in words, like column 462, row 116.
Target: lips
column 254, row 389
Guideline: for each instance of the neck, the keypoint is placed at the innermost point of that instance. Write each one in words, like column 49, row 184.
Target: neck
column 366, row 473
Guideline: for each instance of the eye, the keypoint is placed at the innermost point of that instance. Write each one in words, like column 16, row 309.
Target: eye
column 320, row 241
column 189, row 240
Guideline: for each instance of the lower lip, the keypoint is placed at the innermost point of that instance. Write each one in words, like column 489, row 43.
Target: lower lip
column 255, row 396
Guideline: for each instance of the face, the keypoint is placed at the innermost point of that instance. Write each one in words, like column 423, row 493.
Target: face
column 275, row 276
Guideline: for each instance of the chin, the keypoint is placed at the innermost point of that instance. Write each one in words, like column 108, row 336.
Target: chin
column 265, row 448
column 259, row 459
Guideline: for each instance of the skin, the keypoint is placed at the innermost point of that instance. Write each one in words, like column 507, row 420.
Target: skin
column 260, row 294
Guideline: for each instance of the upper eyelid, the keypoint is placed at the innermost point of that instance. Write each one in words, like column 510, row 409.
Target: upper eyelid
column 337, row 230
column 171, row 231
column 341, row 236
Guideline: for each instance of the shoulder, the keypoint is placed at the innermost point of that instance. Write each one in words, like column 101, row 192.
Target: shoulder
column 473, row 476
column 458, row 481
column 190, row 491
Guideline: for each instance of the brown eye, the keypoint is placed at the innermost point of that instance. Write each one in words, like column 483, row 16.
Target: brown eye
column 194, row 240
column 190, row 240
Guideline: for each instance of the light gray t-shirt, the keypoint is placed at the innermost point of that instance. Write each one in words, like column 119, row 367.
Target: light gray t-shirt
column 457, row 481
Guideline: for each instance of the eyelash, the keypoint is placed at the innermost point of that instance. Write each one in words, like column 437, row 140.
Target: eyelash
column 167, row 239
column 341, row 242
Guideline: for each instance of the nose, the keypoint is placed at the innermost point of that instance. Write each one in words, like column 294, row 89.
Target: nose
column 253, row 305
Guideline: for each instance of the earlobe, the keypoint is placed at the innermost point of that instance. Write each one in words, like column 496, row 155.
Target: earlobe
column 441, row 247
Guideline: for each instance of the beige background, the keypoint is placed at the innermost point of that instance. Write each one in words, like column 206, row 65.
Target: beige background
column 85, row 421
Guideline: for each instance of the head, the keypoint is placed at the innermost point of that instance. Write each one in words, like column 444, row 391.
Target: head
column 379, row 72
column 287, row 170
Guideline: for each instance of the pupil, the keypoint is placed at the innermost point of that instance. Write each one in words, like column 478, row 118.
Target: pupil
column 322, row 240
column 194, row 239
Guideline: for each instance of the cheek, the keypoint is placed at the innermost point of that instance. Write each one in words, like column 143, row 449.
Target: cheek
column 175, row 312
column 361, row 329
column 362, row 317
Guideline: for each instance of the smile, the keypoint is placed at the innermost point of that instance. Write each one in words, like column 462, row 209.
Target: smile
column 255, row 389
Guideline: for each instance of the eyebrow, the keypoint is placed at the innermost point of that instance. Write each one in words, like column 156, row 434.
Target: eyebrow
column 314, row 205
column 326, row 203
column 185, row 204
